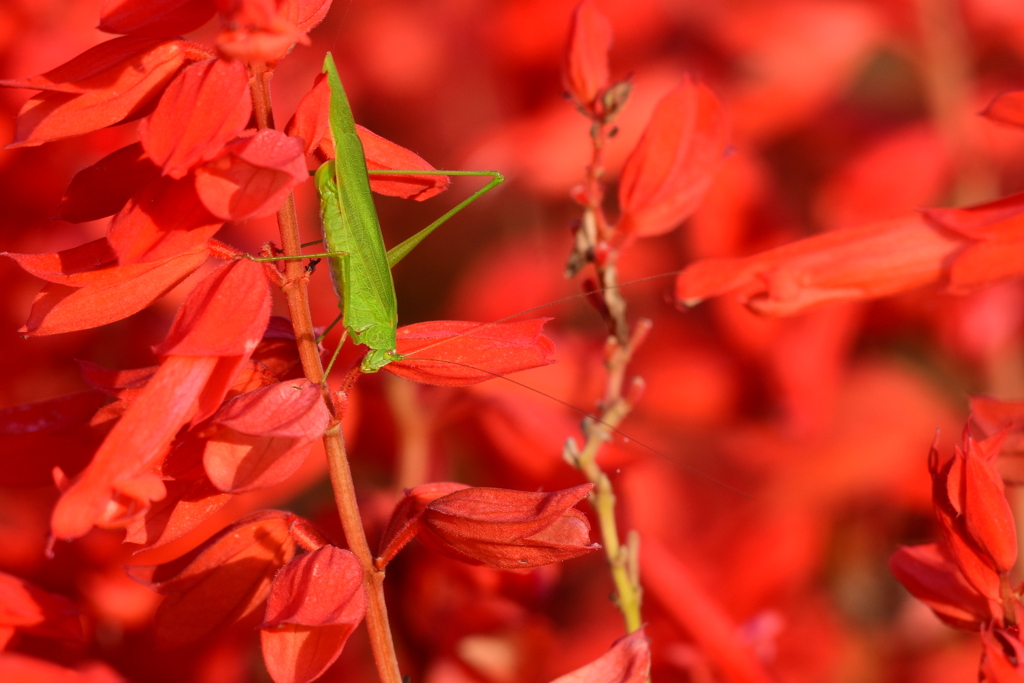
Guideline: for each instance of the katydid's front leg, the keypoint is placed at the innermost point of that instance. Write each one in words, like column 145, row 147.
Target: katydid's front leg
column 397, row 253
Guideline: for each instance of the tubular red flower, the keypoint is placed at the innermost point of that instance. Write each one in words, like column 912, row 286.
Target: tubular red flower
column 854, row 263
column 509, row 529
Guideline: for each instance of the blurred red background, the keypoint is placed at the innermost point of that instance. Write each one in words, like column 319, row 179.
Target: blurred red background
column 817, row 426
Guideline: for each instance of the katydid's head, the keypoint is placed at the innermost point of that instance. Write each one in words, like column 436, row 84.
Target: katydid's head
column 378, row 358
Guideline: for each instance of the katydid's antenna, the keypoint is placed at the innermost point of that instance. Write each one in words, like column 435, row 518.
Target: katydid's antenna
column 590, row 416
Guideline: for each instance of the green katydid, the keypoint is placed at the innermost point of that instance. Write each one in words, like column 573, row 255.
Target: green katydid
column 360, row 266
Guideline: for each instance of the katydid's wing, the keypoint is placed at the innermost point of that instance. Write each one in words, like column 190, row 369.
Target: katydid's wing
column 368, row 292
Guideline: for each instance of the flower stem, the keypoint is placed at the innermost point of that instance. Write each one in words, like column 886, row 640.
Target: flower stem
column 595, row 244
column 296, row 290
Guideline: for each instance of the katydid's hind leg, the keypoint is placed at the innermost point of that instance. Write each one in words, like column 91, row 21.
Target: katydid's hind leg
column 337, row 350
column 402, row 250
column 337, row 319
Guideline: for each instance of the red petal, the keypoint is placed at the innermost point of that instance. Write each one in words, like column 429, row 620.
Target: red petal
column 585, row 69
column 77, row 75
column 982, row 221
column 511, row 529
column 855, row 263
column 987, row 513
column 164, row 219
column 62, row 267
column 109, row 294
column 457, row 353
column 36, row 611
column 989, row 262
column 155, row 17
column 315, row 603
column 116, row 383
column 36, row 437
column 188, row 504
column 106, row 186
column 1007, row 107
column 933, row 578
column 206, row 105
column 381, row 153
column 221, row 581
column 405, row 520
column 293, row 409
column 225, row 315
column 253, row 177
column 309, row 121
column 117, row 83
column 627, row 661
column 308, row 13
column 993, row 414
column 668, row 174
column 143, row 434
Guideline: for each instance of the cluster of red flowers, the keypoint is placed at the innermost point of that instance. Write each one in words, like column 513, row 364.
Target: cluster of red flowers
column 189, row 442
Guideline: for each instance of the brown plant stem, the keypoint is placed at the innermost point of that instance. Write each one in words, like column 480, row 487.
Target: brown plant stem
column 594, row 244
column 296, row 290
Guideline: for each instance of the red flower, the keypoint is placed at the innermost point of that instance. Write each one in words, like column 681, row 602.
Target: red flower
column 975, row 517
column 497, row 527
column 264, row 30
column 667, row 175
column 1002, row 656
column 214, row 333
column 162, row 220
column 855, row 263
